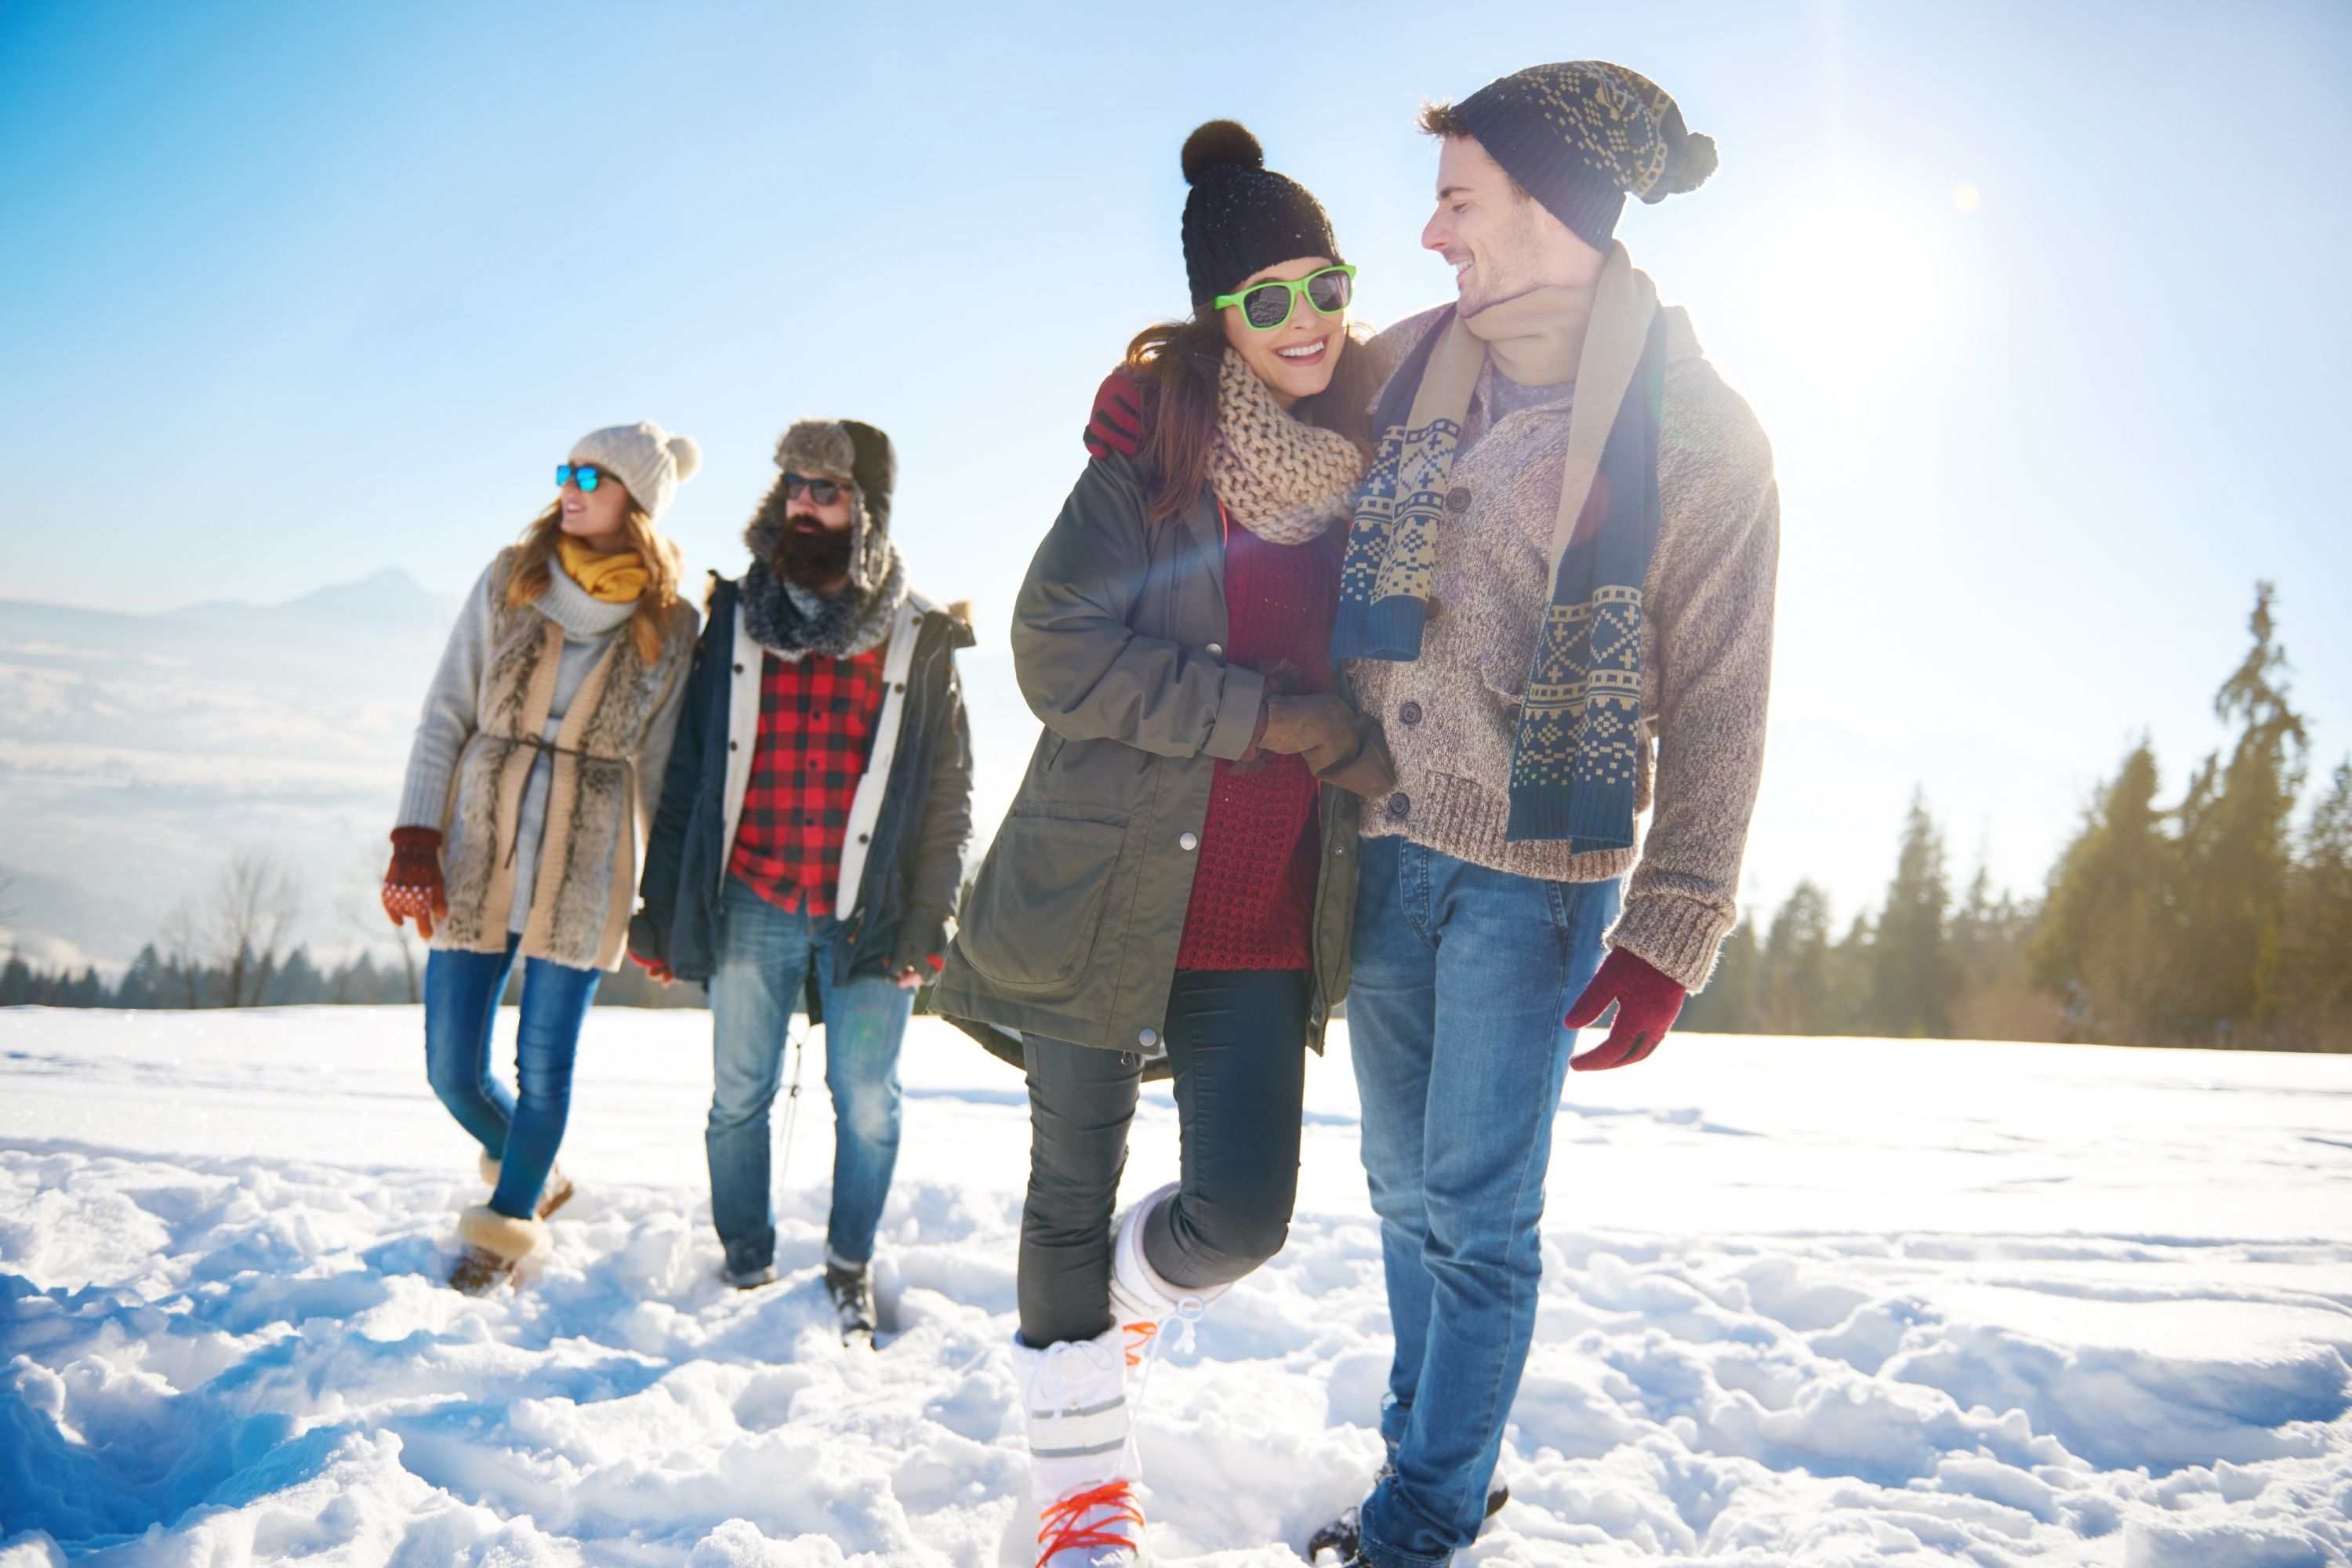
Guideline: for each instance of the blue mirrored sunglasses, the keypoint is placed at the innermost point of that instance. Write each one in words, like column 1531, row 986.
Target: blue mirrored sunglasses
column 587, row 475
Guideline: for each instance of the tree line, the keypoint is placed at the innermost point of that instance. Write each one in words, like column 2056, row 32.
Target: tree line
column 2218, row 920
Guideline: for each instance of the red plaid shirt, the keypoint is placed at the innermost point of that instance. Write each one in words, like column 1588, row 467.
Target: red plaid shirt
column 816, row 727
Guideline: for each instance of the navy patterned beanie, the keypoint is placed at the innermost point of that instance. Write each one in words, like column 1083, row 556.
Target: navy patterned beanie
column 1241, row 216
column 1583, row 135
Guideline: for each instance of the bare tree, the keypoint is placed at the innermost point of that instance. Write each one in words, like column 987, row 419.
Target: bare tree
column 362, row 906
column 255, row 903
column 184, row 943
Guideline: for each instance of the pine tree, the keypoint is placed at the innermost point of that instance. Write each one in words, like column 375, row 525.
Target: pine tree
column 2316, row 965
column 2236, row 848
column 1912, row 981
column 2105, row 925
column 1796, row 968
column 1728, row 1005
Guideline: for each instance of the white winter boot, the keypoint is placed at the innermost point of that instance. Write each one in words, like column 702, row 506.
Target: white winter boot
column 1083, row 1468
column 556, row 1191
column 1143, row 1306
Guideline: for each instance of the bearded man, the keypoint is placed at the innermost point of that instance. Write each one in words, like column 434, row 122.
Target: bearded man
column 811, row 837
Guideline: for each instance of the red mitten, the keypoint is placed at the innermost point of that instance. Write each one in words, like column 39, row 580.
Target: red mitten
column 412, row 883
column 1647, row 1004
column 1114, row 423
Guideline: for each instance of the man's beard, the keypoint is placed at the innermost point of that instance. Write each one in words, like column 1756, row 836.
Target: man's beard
column 812, row 556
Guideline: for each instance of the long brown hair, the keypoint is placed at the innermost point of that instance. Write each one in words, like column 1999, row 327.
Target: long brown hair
column 535, row 565
column 1176, row 363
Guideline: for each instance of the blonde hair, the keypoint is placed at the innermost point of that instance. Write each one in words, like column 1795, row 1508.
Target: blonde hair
column 534, row 566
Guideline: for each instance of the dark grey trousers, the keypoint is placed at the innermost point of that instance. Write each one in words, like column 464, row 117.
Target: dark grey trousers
column 1234, row 1040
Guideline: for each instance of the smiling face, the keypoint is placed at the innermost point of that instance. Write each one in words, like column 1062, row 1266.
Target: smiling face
column 1296, row 359
column 1500, row 241
column 598, row 519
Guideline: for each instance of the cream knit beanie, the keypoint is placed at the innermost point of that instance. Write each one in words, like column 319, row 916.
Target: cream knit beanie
column 648, row 459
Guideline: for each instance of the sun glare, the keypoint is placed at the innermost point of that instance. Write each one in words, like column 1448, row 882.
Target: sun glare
column 1852, row 293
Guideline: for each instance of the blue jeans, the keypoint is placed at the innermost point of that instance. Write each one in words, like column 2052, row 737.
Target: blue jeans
column 1462, row 975
column 461, row 1005
column 766, row 956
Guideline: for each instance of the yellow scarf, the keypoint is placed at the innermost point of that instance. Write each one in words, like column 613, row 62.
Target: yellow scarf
column 614, row 579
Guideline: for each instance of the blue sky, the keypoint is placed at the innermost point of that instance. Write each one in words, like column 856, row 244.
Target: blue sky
column 289, row 294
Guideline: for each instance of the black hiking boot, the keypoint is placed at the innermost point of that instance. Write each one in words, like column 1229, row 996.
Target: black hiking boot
column 851, row 1290
column 1344, row 1536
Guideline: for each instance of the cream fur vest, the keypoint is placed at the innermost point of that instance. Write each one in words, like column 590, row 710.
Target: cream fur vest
column 597, row 810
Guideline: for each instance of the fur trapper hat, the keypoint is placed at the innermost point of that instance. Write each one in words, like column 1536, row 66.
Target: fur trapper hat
column 647, row 459
column 855, row 453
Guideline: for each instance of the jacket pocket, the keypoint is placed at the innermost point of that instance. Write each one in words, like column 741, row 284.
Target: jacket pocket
column 1038, row 903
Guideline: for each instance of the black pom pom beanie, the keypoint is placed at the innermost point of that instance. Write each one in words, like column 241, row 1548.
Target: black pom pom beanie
column 1583, row 135
column 1241, row 216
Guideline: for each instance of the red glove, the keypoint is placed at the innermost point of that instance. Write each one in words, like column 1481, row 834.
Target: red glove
column 412, row 883
column 1647, row 1004
column 657, row 968
column 1114, row 423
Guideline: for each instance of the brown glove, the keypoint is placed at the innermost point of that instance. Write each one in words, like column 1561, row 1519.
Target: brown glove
column 412, row 883
column 1370, row 772
column 1338, row 745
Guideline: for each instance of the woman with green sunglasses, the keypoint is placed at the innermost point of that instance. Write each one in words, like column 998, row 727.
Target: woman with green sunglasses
column 1172, row 893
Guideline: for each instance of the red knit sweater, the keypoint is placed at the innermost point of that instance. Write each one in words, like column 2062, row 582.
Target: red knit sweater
column 1252, row 901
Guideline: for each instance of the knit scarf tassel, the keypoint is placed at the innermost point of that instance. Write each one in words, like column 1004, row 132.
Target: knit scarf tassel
column 1574, row 761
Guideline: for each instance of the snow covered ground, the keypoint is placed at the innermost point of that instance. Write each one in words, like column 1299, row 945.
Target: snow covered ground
column 1806, row 1302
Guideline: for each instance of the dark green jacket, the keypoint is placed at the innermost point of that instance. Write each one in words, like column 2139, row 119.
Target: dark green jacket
column 1119, row 644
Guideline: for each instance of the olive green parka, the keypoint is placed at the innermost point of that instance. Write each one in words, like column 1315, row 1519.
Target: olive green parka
column 1119, row 637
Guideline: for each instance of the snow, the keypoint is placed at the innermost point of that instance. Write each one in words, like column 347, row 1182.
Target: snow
column 1805, row 1301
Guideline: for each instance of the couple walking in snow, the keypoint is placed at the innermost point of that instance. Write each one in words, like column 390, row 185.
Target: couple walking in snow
column 1358, row 662
column 803, row 772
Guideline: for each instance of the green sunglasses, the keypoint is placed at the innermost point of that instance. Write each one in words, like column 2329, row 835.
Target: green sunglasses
column 1267, row 305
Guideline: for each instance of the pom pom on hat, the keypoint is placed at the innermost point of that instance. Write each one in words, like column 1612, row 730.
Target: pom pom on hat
column 647, row 459
column 1240, row 216
column 1218, row 143
column 1692, row 161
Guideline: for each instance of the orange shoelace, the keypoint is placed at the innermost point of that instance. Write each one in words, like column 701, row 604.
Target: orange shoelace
column 1062, row 1530
column 1138, row 1336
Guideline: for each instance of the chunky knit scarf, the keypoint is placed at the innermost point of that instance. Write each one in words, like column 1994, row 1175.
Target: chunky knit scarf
column 1574, row 759
column 848, row 623
column 1284, row 481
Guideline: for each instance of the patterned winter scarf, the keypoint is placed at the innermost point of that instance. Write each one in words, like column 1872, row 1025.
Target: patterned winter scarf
column 1284, row 481
column 1574, row 759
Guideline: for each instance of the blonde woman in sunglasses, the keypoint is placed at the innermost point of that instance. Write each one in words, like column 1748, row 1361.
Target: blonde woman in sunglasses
column 530, row 786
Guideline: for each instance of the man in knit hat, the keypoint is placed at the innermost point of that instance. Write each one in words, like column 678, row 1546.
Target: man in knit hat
column 811, row 834
column 1558, row 599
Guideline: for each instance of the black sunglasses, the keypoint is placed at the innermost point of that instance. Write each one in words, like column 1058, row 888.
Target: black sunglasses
column 824, row 492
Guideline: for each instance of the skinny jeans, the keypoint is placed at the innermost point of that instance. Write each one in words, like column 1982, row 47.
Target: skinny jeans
column 520, row 1130
column 1235, row 1041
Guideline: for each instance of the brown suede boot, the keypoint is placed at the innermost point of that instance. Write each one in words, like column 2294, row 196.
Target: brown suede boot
column 495, row 1246
column 552, row 1195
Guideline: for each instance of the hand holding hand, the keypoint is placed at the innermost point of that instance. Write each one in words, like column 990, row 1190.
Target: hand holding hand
column 657, row 968
column 1338, row 745
column 1647, row 1004
column 412, row 883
